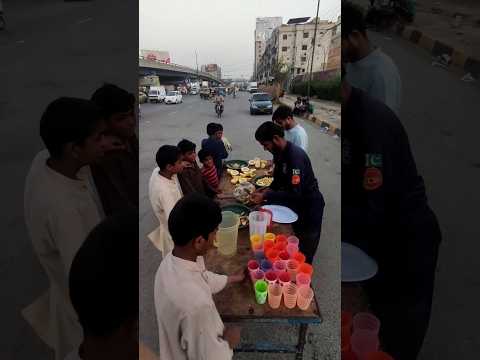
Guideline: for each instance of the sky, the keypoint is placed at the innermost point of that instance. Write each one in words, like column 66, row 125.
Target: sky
column 220, row 31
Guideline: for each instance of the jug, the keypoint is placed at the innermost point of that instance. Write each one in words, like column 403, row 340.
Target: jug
column 228, row 233
column 258, row 222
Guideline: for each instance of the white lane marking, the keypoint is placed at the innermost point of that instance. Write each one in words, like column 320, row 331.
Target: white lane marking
column 84, row 21
column 173, row 112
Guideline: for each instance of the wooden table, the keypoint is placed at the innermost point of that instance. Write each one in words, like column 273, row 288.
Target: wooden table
column 236, row 303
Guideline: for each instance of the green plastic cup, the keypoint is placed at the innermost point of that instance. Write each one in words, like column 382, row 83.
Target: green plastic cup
column 261, row 290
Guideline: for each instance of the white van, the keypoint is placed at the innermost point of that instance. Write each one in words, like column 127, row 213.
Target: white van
column 157, row 94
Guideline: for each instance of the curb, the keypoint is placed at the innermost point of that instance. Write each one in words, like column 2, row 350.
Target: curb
column 437, row 48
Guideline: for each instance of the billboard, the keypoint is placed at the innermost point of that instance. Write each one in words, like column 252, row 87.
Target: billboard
column 211, row 67
column 155, row 55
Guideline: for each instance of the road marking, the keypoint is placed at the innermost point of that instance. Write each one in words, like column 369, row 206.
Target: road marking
column 84, row 21
column 173, row 112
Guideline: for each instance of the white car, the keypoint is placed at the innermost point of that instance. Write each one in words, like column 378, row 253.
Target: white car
column 173, row 97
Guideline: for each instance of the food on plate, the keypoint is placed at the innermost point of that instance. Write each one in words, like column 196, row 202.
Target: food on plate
column 234, row 173
column 245, row 169
column 234, row 179
column 265, row 181
column 236, row 165
column 242, row 180
column 251, row 162
column 243, row 191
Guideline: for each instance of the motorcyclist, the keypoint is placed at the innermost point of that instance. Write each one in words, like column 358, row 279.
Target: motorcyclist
column 219, row 100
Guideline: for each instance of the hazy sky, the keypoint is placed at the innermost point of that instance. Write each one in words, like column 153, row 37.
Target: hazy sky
column 221, row 31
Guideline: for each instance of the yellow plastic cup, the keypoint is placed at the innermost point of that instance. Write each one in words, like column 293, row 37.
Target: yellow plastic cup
column 269, row 236
column 255, row 239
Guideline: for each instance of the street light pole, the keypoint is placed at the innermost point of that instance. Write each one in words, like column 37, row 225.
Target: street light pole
column 196, row 61
column 313, row 50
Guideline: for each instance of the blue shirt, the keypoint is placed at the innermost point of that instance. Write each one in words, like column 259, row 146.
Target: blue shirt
column 297, row 136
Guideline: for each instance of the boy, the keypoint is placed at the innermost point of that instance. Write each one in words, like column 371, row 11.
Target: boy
column 191, row 178
column 215, row 145
column 189, row 324
column 294, row 132
column 103, row 287
column 61, row 208
column 116, row 175
column 209, row 171
column 164, row 191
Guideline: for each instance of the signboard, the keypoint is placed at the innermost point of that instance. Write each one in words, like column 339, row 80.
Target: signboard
column 211, row 67
column 154, row 55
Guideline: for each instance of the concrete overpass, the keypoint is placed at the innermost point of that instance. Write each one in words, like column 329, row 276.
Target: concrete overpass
column 172, row 72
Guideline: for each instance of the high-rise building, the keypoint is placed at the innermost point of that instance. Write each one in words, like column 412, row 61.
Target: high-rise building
column 263, row 30
column 334, row 54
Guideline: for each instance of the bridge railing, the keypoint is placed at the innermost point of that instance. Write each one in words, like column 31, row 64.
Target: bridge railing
column 179, row 67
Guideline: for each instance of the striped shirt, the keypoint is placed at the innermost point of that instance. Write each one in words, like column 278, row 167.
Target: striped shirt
column 211, row 176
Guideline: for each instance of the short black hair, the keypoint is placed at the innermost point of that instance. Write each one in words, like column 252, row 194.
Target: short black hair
column 267, row 131
column 112, row 99
column 282, row 113
column 203, row 154
column 212, row 128
column 353, row 19
column 192, row 216
column 68, row 120
column 167, row 155
column 103, row 279
column 186, row 146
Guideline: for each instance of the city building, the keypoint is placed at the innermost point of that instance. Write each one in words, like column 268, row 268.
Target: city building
column 212, row 69
column 263, row 30
column 334, row 54
column 155, row 55
column 292, row 45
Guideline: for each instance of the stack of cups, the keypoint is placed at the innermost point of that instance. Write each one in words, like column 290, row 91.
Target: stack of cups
column 299, row 257
column 274, row 295
column 269, row 236
column 258, row 252
column 303, row 279
column 284, row 256
column 257, row 275
column 292, row 267
column 255, row 239
column 304, row 297
column 279, row 266
column 252, row 267
column 258, row 222
column 272, row 255
column 281, row 246
column 266, row 265
column 281, row 239
column 271, row 277
column 268, row 245
column 306, row 269
column 261, row 287
column 290, row 295
column 364, row 339
column 284, row 278
column 292, row 249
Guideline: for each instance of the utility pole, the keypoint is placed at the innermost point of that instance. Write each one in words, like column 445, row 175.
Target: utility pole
column 313, row 50
column 196, row 61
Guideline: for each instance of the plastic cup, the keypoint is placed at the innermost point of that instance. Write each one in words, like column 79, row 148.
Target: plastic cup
column 299, row 257
column 279, row 266
column 257, row 275
column 252, row 267
column 290, row 295
column 258, row 222
column 292, row 249
column 303, row 279
column 281, row 238
column 284, row 278
column 304, row 297
column 284, row 256
column 292, row 267
column 272, row 255
column 363, row 342
column 258, row 252
column 378, row 355
column 269, row 236
column 346, row 322
column 274, row 295
column 255, row 238
column 305, row 268
column 265, row 265
column 271, row 277
column 261, row 290
column 280, row 247
column 366, row 321
column 268, row 245
column 293, row 240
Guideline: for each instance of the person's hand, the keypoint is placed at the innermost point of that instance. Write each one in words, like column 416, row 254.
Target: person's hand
column 231, row 334
column 257, row 197
column 237, row 277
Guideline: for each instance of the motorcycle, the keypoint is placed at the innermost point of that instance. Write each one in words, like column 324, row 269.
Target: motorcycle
column 219, row 110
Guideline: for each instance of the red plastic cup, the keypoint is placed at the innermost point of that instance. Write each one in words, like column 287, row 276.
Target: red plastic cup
column 271, row 277
column 378, row 355
column 272, row 255
column 305, row 268
column 284, row 278
column 303, row 279
column 268, row 244
column 280, row 238
column 299, row 257
column 366, row 321
column 279, row 266
column 284, row 256
column 252, row 266
column 292, row 267
column 364, row 342
column 280, row 247
column 293, row 240
column 292, row 249
column 346, row 323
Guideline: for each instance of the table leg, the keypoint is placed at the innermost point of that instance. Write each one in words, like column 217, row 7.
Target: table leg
column 302, row 337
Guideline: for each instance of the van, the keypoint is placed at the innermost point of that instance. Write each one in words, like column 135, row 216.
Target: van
column 157, row 94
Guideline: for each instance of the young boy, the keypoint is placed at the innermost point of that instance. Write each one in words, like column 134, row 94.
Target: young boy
column 103, row 285
column 189, row 324
column 191, row 178
column 215, row 145
column 209, row 172
column 294, row 132
column 61, row 208
column 164, row 191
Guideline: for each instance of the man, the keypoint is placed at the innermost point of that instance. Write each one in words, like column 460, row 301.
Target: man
column 385, row 212
column 116, row 175
column 218, row 100
column 164, row 191
column 294, row 132
column 188, row 322
column 103, row 287
column 61, row 209
column 294, row 186
column 215, row 145
column 368, row 68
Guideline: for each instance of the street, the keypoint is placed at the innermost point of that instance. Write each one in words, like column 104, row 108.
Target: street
column 440, row 114
column 167, row 124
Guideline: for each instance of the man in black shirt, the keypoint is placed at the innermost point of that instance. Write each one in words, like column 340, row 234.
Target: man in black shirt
column 294, row 186
column 385, row 212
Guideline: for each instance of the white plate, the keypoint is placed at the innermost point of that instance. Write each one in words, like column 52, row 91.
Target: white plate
column 356, row 264
column 282, row 214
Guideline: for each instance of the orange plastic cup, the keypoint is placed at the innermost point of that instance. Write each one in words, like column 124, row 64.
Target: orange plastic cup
column 268, row 244
column 292, row 267
column 305, row 268
column 269, row 236
column 281, row 238
column 272, row 255
column 378, row 355
column 274, row 295
column 299, row 257
column 280, row 246
column 304, row 297
column 290, row 295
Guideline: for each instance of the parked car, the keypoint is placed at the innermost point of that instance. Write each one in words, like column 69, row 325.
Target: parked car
column 261, row 103
column 156, row 94
column 173, row 97
column 193, row 92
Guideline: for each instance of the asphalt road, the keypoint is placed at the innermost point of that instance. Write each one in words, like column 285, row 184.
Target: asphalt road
column 167, row 124
column 440, row 114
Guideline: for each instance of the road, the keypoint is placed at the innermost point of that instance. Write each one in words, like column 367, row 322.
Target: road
column 167, row 124
column 440, row 114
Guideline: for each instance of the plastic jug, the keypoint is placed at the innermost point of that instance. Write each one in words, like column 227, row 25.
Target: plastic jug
column 258, row 223
column 228, row 233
